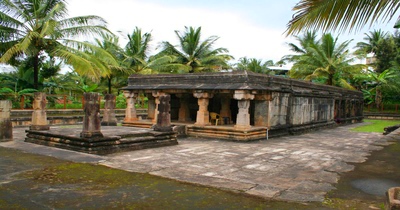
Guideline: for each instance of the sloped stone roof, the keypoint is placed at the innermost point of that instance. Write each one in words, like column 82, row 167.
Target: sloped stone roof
column 235, row 80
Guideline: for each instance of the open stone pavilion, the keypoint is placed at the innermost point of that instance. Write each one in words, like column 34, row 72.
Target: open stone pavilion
column 248, row 106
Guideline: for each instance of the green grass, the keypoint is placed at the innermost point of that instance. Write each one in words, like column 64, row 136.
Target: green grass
column 376, row 125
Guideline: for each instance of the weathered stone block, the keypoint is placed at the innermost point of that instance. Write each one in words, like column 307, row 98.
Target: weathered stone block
column 39, row 116
column 393, row 198
column 91, row 120
column 109, row 118
column 6, row 131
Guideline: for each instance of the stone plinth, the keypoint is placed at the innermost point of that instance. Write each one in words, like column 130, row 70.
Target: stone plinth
column 39, row 116
column 109, row 118
column 91, row 120
column 164, row 116
column 393, row 198
column 115, row 139
column 6, row 130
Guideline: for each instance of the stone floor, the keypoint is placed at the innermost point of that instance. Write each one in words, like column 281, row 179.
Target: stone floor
column 292, row 168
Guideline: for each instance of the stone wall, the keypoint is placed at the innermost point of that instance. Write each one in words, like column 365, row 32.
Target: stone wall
column 305, row 110
column 278, row 109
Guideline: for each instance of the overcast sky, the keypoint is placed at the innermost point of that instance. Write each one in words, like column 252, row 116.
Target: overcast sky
column 252, row 28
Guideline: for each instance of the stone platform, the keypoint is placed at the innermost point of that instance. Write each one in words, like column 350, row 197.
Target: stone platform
column 116, row 139
column 229, row 132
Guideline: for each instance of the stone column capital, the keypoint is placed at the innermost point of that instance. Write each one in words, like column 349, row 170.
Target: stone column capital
column 157, row 94
column 129, row 94
column 201, row 94
column 264, row 97
column 243, row 95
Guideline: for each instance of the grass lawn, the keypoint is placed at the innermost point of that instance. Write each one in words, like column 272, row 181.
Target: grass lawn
column 376, row 125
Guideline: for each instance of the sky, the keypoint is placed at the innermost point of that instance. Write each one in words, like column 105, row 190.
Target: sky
column 251, row 28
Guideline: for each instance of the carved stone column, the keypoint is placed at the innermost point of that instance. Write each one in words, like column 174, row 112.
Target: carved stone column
column 39, row 116
column 6, row 129
column 151, row 106
column 203, row 115
column 243, row 117
column 184, row 112
column 225, row 111
column 91, row 120
column 157, row 95
column 164, row 116
column 130, row 112
column 109, row 118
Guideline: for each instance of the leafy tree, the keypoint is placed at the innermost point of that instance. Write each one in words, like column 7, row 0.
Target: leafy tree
column 325, row 61
column 378, row 82
column 385, row 54
column 196, row 55
column 372, row 40
column 254, row 65
column 116, row 68
column 339, row 14
column 137, row 57
column 35, row 28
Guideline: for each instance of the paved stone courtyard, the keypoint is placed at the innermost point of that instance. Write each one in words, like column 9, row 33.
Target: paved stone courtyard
column 292, row 168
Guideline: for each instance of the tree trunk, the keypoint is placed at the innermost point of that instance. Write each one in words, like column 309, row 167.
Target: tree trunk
column 378, row 98
column 109, row 84
column 330, row 79
column 36, row 72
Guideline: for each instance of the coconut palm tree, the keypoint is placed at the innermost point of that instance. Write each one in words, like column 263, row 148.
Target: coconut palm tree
column 379, row 82
column 372, row 40
column 254, row 65
column 116, row 68
column 137, row 49
column 137, row 58
column 326, row 61
column 35, row 28
column 195, row 54
column 339, row 14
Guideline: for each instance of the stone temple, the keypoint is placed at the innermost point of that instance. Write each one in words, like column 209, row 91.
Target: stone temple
column 241, row 105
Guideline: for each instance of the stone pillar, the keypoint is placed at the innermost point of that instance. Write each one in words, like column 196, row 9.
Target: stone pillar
column 225, row 111
column 91, row 119
column 243, row 117
column 203, row 115
column 157, row 95
column 184, row 112
column 151, row 108
column 109, row 118
column 164, row 116
column 130, row 112
column 6, row 130
column 39, row 116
